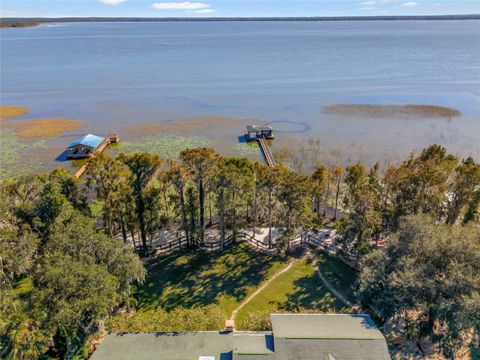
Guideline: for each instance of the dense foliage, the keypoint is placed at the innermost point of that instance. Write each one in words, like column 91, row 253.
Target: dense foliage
column 60, row 277
column 429, row 275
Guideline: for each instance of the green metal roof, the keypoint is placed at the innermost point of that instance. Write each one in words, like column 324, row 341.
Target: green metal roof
column 325, row 326
column 253, row 344
column 294, row 337
column 165, row 346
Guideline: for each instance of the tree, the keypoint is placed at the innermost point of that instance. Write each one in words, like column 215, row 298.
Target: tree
column 462, row 189
column 431, row 270
column 364, row 224
column 319, row 179
column 112, row 184
column 143, row 166
column 419, row 185
column 234, row 186
column 177, row 176
column 293, row 196
column 337, row 173
column 59, row 276
column 201, row 163
column 25, row 336
column 268, row 182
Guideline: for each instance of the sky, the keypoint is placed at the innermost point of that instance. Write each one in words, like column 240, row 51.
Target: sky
column 233, row 8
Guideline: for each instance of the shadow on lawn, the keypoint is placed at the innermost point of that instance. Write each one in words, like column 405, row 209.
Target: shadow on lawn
column 339, row 275
column 196, row 279
column 311, row 294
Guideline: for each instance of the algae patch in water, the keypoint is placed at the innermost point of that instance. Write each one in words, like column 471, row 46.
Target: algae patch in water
column 15, row 156
column 409, row 111
column 43, row 128
column 166, row 146
column 245, row 149
column 9, row 111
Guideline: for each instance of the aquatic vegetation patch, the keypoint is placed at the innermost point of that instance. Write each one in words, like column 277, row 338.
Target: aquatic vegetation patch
column 245, row 149
column 9, row 111
column 15, row 155
column 166, row 146
column 43, row 128
column 392, row 111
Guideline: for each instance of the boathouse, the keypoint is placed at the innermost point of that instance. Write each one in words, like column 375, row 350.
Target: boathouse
column 255, row 132
column 84, row 146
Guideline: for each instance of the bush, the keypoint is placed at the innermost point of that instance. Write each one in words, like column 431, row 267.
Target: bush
column 257, row 321
column 179, row 319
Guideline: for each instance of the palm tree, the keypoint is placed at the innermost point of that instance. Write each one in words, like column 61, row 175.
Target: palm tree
column 25, row 336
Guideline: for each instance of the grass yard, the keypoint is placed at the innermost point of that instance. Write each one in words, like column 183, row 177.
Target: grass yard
column 298, row 289
column 198, row 290
column 341, row 276
column 194, row 279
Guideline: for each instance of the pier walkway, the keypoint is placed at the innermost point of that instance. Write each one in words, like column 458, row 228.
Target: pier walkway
column 266, row 152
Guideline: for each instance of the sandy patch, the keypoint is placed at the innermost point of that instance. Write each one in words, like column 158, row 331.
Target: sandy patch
column 192, row 125
column 9, row 111
column 43, row 128
column 392, row 111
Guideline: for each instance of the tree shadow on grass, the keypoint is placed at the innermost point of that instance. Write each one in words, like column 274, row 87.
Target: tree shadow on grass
column 311, row 294
column 198, row 278
column 342, row 277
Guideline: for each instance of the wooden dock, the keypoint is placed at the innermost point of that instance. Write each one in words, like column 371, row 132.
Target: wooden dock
column 110, row 139
column 266, row 152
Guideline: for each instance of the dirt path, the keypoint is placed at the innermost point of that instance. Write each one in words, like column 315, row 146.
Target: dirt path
column 260, row 289
column 332, row 289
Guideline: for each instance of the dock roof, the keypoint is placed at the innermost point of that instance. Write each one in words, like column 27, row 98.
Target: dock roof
column 255, row 128
column 89, row 140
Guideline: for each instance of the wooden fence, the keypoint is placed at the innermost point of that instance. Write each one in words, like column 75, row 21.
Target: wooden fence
column 305, row 239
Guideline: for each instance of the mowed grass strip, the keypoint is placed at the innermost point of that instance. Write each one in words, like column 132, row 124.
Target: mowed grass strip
column 297, row 290
column 195, row 279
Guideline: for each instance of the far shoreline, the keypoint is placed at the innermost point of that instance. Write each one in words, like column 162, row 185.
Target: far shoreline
column 29, row 22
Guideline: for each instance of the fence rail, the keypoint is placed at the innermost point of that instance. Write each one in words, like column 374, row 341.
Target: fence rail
column 304, row 239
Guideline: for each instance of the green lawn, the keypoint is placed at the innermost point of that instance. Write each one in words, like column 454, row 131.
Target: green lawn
column 190, row 279
column 199, row 290
column 298, row 289
column 339, row 275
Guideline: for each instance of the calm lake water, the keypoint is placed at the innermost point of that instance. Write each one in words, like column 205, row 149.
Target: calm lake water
column 116, row 75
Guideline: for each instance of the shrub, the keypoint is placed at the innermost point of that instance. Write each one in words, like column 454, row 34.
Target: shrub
column 179, row 319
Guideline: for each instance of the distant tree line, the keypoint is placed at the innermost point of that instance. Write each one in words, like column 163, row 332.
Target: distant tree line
column 413, row 229
column 7, row 23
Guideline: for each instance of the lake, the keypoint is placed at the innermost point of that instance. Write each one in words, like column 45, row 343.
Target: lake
column 116, row 76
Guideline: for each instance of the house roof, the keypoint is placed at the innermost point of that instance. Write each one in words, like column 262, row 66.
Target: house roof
column 87, row 140
column 325, row 326
column 352, row 337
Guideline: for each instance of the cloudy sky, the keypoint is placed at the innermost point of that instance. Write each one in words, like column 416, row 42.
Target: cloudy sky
column 157, row 8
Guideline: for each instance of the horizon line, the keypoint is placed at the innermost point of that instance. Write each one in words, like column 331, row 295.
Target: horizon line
column 314, row 17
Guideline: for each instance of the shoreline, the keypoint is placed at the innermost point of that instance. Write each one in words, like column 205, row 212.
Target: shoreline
column 4, row 23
